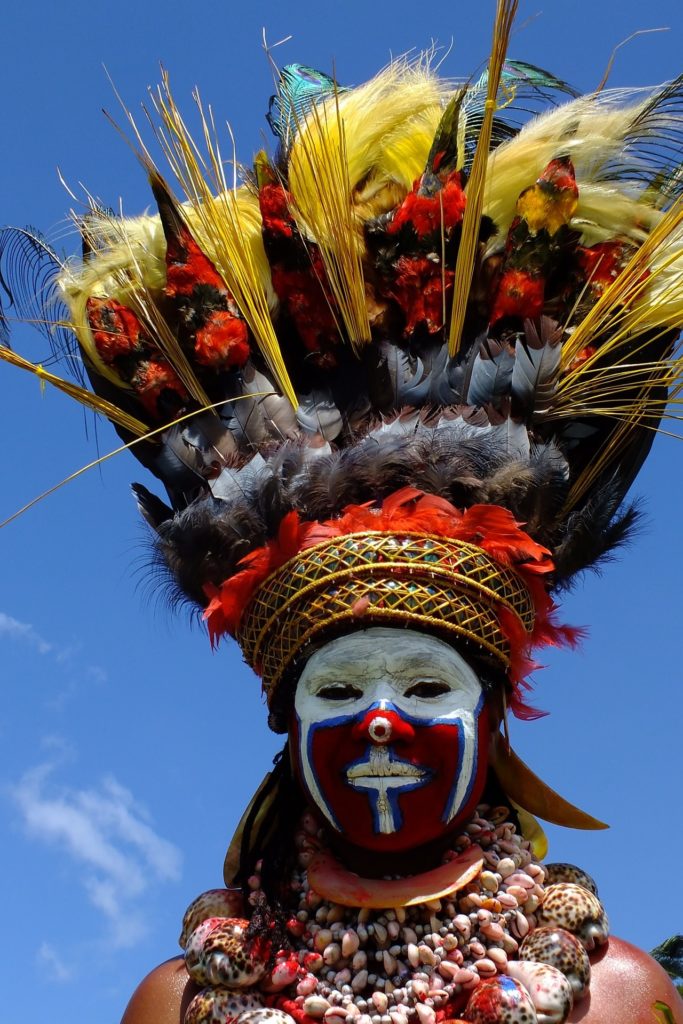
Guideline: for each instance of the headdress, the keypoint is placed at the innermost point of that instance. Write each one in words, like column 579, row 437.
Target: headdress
column 405, row 371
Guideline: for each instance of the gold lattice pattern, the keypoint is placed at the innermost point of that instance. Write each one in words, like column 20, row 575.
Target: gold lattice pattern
column 370, row 578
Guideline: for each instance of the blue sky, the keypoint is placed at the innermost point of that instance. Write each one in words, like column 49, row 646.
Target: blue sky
column 127, row 749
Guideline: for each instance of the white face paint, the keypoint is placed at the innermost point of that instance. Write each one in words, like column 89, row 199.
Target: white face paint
column 383, row 714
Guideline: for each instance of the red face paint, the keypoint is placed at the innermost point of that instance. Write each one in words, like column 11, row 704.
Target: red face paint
column 392, row 740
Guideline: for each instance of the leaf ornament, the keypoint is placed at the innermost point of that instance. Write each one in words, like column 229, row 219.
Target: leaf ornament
column 525, row 788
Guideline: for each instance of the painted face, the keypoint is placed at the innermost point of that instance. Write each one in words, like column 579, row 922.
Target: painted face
column 390, row 737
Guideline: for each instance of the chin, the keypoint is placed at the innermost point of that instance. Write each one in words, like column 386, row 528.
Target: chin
column 419, row 831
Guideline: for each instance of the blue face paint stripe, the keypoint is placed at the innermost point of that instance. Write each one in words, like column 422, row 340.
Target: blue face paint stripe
column 308, row 744
column 449, row 811
column 384, row 705
column 393, row 794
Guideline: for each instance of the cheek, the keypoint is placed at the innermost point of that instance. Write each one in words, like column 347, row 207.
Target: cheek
column 321, row 754
column 477, row 771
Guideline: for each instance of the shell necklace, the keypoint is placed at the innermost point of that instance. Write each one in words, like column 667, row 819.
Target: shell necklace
column 509, row 944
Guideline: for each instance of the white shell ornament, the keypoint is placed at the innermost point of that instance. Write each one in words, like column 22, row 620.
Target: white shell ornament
column 560, row 949
column 550, row 991
column 265, row 1015
column 501, row 1000
column 220, row 1006
column 212, row 903
column 577, row 910
column 217, row 954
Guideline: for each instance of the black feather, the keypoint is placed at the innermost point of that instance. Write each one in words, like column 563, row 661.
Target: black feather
column 593, row 534
column 653, row 143
column 29, row 270
column 205, row 542
column 153, row 510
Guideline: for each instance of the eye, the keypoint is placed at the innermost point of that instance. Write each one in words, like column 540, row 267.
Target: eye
column 427, row 688
column 339, row 691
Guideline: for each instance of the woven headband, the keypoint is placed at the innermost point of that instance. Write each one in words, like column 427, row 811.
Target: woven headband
column 415, row 561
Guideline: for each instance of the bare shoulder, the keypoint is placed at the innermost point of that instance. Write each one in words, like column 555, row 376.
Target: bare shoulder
column 629, row 986
column 163, row 996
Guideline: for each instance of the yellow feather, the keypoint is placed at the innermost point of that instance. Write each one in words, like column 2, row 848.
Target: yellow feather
column 354, row 157
column 79, row 394
column 128, row 258
column 469, row 239
column 406, row 148
column 388, row 125
column 388, row 122
column 322, row 206
column 591, row 131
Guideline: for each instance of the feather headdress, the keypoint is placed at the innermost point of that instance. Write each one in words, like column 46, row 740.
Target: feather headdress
column 424, row 287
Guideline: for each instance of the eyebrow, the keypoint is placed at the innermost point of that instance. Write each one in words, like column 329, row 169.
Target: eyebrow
column 422, row 664
column 419, row 665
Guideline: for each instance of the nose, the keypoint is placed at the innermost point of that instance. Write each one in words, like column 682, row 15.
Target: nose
column 382, row 726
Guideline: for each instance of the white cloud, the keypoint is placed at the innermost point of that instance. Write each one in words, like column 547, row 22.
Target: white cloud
column 11, row 627
column 50, row 961
column 69, row 657
column 107, row 832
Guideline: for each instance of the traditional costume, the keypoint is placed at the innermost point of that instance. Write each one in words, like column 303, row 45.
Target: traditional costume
column 397, row 384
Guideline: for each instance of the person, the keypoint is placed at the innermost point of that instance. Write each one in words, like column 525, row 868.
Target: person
column 386, row 712
column 397, row 386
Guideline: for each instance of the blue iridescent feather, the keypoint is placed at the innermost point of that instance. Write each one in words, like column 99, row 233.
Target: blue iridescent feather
column 298, row 89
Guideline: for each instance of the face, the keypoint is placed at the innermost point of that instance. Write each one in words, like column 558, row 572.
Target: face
column 390, row 737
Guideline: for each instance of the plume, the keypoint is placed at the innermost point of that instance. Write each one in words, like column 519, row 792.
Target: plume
column 429, row 285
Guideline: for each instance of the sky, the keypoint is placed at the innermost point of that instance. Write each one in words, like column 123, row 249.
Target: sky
column 127, row 749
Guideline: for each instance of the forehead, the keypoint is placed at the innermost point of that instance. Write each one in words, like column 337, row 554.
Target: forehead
column 381, row 652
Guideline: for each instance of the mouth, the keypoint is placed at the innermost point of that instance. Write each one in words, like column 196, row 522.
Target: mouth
column 391, row 771
column 380, row 765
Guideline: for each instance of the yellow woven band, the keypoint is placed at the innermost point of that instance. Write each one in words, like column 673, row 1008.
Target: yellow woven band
column 360, row 579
